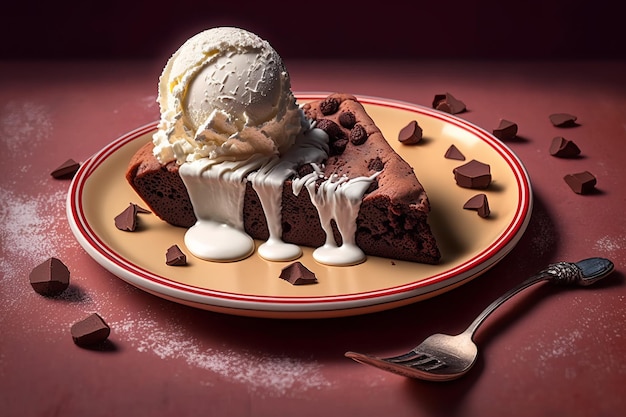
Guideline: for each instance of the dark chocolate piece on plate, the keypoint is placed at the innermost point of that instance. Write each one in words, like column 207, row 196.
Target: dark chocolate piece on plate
column 175, row 257
column 454, row 153
column 90, row 331
column 66, row 170
column 563, row 148
column 480, row 203
column 411, row 133
column 127, row 219
column 298, row 274
column 140, row 210
column 581, row 182
column 563, row 119
column 506, row 130
column 50, row 277
column 473, row 174
column 448, row 103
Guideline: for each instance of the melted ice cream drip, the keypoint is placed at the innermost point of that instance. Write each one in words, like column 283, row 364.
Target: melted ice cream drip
column 337, row 198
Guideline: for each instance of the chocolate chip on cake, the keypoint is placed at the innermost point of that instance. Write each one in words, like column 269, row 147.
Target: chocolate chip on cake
column 329, row 106
column 298, row 274
column 479, row 203
column 563, row 119
column 332, row 129
column 563, row 148
column 473, row 174
column 454, row 153
column 410, row 134
column 506, row 130
column 50, row 278
column 358, row 135
column 448, row 103
column 175, row 257
column 581, row 182
column 66, row 169
column 337, row 147
column 347, row 119
column 376, row 164
column 90, row 331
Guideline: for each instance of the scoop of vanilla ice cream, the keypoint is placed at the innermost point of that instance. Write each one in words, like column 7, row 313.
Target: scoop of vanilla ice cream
column 225, row 95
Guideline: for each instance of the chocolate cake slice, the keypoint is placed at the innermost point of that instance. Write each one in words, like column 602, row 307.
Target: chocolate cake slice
column 393, row 217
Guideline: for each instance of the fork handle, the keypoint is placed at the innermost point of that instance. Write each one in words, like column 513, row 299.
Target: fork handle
column 582, row 273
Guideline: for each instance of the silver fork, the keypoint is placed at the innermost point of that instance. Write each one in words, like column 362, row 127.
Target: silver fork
column 442, row 357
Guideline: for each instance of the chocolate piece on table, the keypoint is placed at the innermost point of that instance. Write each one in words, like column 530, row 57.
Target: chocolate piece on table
column 454, row 153
column 506, row 130
column 127, row 219
column 411, row 133
column 480, row 203
column 175, row 257
column 50, row 278
column 90, row 331
column 298, row 274
column 448, row 103
column 473, row 174
column 581, row 182
column 66, row 169
column 563, row 119
column 563, row 148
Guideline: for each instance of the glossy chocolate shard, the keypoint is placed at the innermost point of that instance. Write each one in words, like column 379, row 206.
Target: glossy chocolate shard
column 66, row 169
column 473, row 174
column 175, row 257
column 581, row 182
column 90, row 331
column 50, row 278
column 454, row 153
column 480, row 203
column 563, row 119
column 127, row 219
column 448, row 103
column 297, row 274
column 410, row 134
column 506, row 130
column 563, row 148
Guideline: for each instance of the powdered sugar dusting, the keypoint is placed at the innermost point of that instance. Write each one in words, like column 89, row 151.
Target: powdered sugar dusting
column 612, row 246
column 23, row 125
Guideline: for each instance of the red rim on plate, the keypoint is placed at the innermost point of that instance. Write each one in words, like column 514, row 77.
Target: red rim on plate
column 295, row 306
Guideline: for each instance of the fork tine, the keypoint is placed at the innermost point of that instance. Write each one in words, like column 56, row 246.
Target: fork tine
column 417, row 359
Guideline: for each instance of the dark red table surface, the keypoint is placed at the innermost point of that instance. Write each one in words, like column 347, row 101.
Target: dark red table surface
column 549, row 351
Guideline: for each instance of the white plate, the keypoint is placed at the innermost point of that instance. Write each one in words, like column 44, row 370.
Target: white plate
column 469, row 244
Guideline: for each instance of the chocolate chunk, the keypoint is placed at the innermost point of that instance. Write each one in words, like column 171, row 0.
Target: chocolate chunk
column 479, row 203
column 90, row 331
column 563, row 148
column 347, row 119
column 332, row 129
column 127, row 219
column 563, row 119
column 376, row 164
column 410, row 134
column 298, row 274
column 50, row 278
column 448, row 103
column 329, row 106
column 473, row 174
column 140, row 209
column 66, row 170
column 358, row 135
column 581, row 182
column 337, row 147
column 454, row 153
column 506, row 130
column 175, row 257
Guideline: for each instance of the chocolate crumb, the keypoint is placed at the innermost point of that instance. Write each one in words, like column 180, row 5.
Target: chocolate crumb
column 50, row 278
column 454, row 153
column 66, row 170
column 347, row 119
column 90, row 331
column 479, row 203
column 330, row 105
column 563, row 148
column 298, row 274
column 175, row 257
column 376, row 164
column 581, row 182
column 506, row 130
column 127, row 219
column 448, row 103
column 410, row 134
column 358, row 135
column 473, row 174
column 563, row 119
